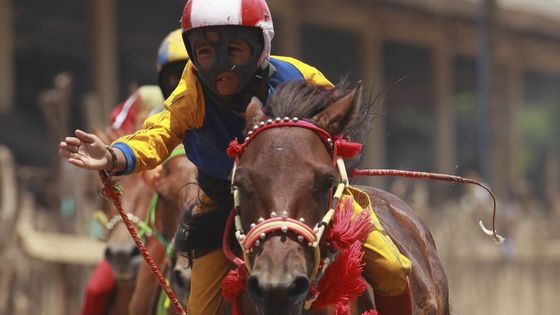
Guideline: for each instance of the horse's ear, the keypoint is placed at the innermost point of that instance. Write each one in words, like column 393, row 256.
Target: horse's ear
column 336, row 117
column 254, row 112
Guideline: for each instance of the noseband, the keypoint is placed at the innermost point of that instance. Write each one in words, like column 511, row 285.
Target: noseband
column 338, row 147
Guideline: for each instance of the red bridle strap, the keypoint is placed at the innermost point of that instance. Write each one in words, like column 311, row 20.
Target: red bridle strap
column 339, row 148
column 337, row 145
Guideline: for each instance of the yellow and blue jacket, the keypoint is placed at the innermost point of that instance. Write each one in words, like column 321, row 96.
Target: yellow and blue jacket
column 205, row 130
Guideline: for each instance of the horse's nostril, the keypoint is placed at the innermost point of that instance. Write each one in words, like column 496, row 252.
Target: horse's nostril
column 254, row 289
column 108, row 254
column 299, row 287
column 178, row 279
column 135, row 252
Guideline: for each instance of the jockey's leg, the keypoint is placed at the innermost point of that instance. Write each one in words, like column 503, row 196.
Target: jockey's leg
column 210, row 268
column 98, row 290
column 208, row 271
column 386, row 269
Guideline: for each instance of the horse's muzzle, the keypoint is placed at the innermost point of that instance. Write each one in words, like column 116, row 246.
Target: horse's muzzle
column 278, row 296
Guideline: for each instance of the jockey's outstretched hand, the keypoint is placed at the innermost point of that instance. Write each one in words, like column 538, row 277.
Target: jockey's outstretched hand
column 85, row 150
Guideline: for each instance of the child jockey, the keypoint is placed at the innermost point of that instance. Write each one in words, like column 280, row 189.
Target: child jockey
column 229, row 44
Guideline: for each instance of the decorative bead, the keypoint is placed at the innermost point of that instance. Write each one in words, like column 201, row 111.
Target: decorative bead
column 302, row 220
column 255, row 127
column 273, row 214
column 284, row 214
column 286, row 118
column 247, row 139
column 261, row 220
column 263, row 236
column 250, row 132
column 257, row 243
column 295, row 119
column 269, row 121
column 300, row 238
column 284, row 229
column 261, row 124
column 253, row 225
column 277, row 119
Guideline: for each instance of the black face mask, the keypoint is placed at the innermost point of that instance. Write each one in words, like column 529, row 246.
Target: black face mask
column 252, row 35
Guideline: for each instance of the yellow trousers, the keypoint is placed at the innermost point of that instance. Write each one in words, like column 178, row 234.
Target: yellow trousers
column 386, row 269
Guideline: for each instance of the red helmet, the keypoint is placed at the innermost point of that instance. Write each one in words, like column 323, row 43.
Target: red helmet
column 200, row 13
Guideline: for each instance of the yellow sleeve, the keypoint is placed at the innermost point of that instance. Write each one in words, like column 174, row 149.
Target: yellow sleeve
column 310, row 73
column 162, row 132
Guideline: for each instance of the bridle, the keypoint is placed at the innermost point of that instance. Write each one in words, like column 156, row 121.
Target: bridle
column 339, row 148
column 146, row 227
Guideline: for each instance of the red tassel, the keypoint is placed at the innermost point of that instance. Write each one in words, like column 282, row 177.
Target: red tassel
column 345, row 230
column 343, row 281
column 234, row 148
column 232, row 287
column 347, row 149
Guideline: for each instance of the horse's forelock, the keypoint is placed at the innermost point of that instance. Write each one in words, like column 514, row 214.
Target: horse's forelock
column 304, row 100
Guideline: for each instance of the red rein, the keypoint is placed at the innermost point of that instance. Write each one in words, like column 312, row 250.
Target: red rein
column 113, row 193
column 433, row 176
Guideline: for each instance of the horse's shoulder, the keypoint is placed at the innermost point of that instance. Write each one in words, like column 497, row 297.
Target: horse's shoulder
column 397, row 217
column 384, row 200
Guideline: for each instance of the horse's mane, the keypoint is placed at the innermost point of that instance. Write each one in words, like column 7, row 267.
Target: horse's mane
column 304, row 100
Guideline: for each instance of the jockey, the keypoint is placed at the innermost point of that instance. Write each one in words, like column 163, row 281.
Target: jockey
column 126, row 118
column 229, row 42
column 171, row 60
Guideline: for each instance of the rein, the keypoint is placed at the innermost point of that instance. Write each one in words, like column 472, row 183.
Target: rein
column 146, row 227
column 113, row 191
column 441, row 177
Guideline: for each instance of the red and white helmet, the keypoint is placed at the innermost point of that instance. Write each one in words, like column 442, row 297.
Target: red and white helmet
column 200, row 13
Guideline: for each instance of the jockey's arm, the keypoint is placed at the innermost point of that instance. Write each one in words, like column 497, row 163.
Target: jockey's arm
column 162, row 132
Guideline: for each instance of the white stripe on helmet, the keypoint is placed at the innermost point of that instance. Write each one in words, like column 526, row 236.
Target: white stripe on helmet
column 215, row 12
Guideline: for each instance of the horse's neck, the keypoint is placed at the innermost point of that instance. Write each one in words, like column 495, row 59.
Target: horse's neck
column 121, row 299
column 167, row 214
column 137, row 195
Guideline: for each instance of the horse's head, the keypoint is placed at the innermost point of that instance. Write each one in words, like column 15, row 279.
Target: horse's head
column 285, row 170
column 176, row 186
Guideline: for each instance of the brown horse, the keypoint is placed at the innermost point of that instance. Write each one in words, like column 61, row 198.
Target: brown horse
column 121, row 252
column 290, row 169
column 176, row 186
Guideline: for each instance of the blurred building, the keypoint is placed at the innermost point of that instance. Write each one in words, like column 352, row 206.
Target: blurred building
column 422, row 56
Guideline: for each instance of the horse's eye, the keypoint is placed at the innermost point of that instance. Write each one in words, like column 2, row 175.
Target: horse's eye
column 326, row 183
column 241, row 187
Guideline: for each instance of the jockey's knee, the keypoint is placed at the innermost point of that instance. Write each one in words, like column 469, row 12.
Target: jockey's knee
column 391, row 281
column 387, row 272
